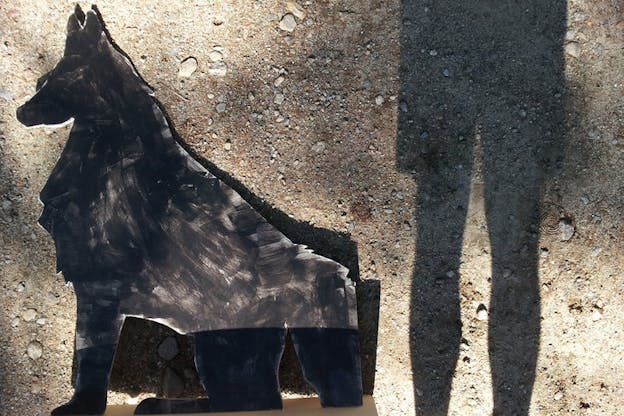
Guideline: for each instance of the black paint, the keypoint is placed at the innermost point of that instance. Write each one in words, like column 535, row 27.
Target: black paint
column 142, row 229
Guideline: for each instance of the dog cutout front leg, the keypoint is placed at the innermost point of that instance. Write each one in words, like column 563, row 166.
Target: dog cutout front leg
column 98, row 325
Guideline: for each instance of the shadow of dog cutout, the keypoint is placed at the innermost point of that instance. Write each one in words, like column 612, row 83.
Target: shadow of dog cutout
column 142, row 229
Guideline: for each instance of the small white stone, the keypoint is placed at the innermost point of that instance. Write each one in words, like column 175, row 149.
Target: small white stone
column 596, row 315
column 570, row 35
column 15, row 322
column 278, row 99
column 187, row 67
column 279, row 81
column 566, row 229
column 215, row 56
column 29, row 315
column 482, row 313
column 221, row 107
column 34, row 350
column 227, row 146
column 168, row 348
column 379, row 100
column 41, row 321
column 217, row 69
column 288, row 23
column 573, row 49
column 558, row 396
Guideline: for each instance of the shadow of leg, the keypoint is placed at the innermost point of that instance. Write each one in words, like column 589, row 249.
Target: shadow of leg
column 435, row 321
column 514, row 321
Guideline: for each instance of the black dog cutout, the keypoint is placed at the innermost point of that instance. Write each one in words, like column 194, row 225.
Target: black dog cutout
column 142, row 229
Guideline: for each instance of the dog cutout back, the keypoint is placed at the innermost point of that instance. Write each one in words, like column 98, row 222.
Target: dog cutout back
column 142, row 229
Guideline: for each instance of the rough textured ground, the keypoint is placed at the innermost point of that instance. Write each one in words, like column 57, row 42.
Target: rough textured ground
column 459, row 144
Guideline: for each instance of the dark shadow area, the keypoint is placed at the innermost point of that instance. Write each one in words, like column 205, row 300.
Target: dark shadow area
column 480, row 81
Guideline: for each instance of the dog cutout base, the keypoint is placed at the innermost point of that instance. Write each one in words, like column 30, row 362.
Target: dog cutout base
column 142, row 229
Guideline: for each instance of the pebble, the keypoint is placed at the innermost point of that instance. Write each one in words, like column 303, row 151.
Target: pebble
column 21, row 286
column 482, row 313
column 15, row 322
column 173, row 385
column 215, row 56
column 319, row 147
column 227, row 146
column 217, row 69
column 279, row 81
column 566, row 229
column 403, row 107
column 596, row 315
column 379, row 100
column 168, row 348
column 221, row 107
column 288, row 23
column 595, row 251
column 558, row 396
column 187, row 67
column 29, row 315
column 34, row 350
column 295, row 9
column 278, row 99
column 570, row 35
column 573, row 49
column 41, row 321
column 446, row 73
column 544, row 252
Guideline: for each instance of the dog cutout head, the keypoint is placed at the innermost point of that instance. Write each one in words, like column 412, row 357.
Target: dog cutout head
column 86, row 82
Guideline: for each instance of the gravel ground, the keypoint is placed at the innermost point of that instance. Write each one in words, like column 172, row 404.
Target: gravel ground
column 466, row 157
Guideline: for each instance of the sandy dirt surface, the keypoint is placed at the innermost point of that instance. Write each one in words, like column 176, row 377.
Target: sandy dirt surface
column 468, row 156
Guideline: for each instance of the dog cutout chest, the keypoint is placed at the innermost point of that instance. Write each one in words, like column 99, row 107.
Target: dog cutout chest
column 142, row 229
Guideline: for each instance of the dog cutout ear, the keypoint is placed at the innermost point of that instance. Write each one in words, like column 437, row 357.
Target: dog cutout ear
column 79, row 15
column 93, row 26
column 76, row 20
column 73, row 25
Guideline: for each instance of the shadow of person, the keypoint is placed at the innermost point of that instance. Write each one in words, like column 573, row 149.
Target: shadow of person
column 480, row 80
